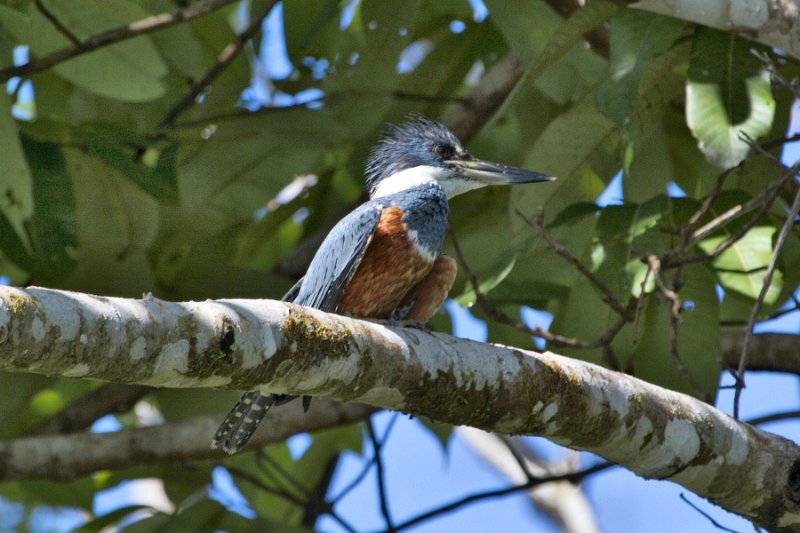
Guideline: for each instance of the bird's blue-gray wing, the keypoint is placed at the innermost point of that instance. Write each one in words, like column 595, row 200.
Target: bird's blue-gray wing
column 338, row 258
column 322, row 287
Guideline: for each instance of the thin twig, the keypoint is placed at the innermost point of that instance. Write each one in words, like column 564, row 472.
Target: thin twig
column 63, row 30
column 224, row 59
column 253, row 480
column 356, row 480
column 572, row 477
column 786, row 415
column 115, row 35
column 776, row 74
column 376, row 446
column 787, row 226
column 559, row 249
column 265, row 460
column 521, row 462
column 769, row 145
column 709, row 200
column 675, row 319
column 708, row 516
column 763, row 201
column 503, row 318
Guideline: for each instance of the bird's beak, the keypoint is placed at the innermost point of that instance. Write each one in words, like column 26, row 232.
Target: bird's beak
column 497, row 174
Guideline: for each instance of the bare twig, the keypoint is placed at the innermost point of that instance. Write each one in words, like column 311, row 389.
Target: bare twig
column 444, row 509
column 709, row 200
column 259, row 484
column 708, row 516
column 785, row 415
column 63, row 30
column 376, row 447
column 775, row 73
column 281, row 493
column 115, row 35
column 763, row 202
column 317, row 505
column 559, row 249
column 224, row 59
column 266, row 462
column 503, row 318
column 787, row 226
column 675, row 319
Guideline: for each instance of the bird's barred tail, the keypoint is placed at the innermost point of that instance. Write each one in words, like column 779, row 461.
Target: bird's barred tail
column 242, row 421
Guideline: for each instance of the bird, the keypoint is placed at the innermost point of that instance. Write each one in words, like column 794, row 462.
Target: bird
column 383, row 260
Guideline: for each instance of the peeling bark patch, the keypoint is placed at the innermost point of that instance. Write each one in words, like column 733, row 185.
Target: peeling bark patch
column 793, row 483
column 227, row 339
column 37, row 329
column 138, row 349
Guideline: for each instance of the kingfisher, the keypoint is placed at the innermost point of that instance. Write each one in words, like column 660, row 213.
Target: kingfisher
column 383, row 260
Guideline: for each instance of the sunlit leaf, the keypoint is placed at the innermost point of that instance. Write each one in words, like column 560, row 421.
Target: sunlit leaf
column 728, row 95
column 742, row 266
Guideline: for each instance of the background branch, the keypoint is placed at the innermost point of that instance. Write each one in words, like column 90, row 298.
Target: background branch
column 115, row 35
column 66, row 457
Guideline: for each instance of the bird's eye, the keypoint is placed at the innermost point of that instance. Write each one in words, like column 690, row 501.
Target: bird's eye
column 445, row 151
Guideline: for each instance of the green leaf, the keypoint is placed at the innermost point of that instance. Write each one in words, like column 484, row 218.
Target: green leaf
column 101, row 522
column 151, row 168
column 207, row 515
column 569, row 33
column 116, row 223
column 742, row 267
column 487, row 282
column 441, row 432
column 728, row 93
column 53, row 229
column 16, row 184
column 636, row 38
column 624, row 235
column 572, row 159
column 16, row 393
column 550, row 48
column 178, row 404
column 698, row 337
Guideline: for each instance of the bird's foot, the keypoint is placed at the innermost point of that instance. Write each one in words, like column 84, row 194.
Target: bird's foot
column 393, row 323
column 415, row 324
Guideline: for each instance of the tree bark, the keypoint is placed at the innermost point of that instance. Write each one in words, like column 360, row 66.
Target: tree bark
column 771, row 22
column 283, row 348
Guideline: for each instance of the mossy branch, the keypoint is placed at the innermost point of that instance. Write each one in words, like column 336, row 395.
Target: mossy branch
column 283, row 348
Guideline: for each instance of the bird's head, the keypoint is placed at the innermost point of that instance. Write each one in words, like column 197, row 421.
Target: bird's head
column 421, row 151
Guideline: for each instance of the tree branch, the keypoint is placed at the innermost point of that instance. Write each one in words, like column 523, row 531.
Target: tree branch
column 775, row 352
column 66, row 457
column 562, row 502
column 225, row 57
column 772, row 22
column 114, row 35
column 283, row 348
